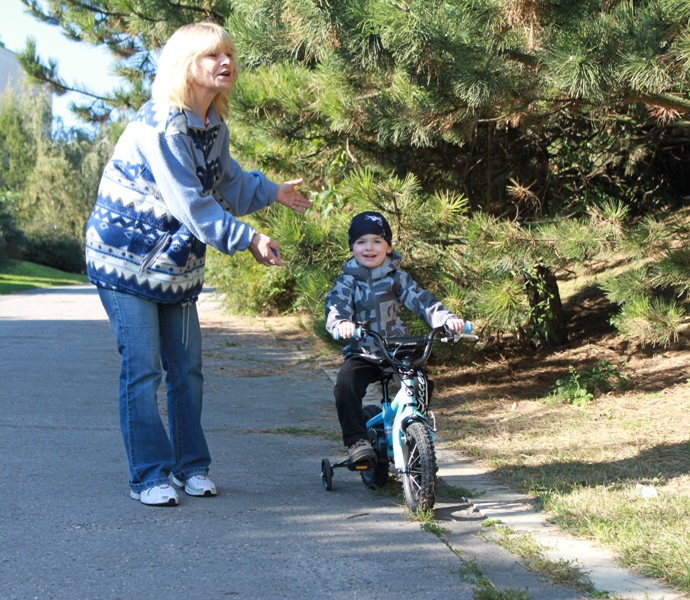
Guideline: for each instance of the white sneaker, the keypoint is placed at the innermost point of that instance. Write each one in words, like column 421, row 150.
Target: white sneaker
column 158, row 495
column 196, row 485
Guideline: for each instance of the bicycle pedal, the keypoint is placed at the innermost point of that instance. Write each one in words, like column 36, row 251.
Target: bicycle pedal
column 362, row 465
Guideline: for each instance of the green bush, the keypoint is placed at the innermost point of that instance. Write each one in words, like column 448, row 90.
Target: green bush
column 580, row 388
column 570, row 390
column 249, row 288
column 11, row 237
column 55, row 248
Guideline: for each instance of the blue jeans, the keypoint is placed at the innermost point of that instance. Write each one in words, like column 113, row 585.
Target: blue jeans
column 148, row 334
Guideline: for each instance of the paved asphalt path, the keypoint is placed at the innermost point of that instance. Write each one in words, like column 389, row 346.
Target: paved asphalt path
column 68, row 528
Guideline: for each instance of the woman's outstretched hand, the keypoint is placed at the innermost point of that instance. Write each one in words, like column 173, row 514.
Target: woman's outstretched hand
column 288, row 196
column 265, row 251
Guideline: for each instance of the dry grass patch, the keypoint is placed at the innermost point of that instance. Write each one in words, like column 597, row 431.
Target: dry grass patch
column 584, row 464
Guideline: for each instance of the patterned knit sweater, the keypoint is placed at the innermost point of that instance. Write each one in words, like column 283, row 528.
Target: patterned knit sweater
column 169, row 189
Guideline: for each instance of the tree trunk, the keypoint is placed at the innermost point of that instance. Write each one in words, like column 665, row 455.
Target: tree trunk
column 547, row 318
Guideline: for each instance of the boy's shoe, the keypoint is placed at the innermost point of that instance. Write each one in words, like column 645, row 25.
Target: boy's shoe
column 158, row 495
column 360, row 450
column 196, row 485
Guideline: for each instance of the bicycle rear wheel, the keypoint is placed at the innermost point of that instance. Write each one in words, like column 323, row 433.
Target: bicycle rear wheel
column 419, row 482
column 378, row 475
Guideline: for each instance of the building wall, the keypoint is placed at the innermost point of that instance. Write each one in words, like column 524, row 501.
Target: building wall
column 10, row 71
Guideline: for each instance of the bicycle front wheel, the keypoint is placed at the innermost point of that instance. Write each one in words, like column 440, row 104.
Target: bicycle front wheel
column 419, row 482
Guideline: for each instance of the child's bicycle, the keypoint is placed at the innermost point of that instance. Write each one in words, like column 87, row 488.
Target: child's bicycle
column 400, row 429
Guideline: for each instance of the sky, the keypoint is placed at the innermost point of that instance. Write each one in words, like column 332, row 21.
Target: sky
column 78, row 62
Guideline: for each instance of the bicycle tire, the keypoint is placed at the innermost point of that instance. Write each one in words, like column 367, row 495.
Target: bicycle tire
column 378, row 476
column 327, row 474
column 419, row 483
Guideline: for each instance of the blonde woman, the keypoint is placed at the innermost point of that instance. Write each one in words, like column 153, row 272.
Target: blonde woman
column 169, row 190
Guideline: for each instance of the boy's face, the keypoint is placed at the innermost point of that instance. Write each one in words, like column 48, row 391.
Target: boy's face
column 370, row 250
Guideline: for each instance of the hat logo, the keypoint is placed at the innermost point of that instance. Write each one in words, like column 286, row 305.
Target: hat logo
column 375, row 219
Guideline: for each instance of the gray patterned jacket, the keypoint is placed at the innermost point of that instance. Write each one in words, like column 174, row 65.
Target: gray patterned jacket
column 376, row 295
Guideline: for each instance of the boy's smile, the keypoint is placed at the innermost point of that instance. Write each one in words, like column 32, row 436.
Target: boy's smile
column 370, row 250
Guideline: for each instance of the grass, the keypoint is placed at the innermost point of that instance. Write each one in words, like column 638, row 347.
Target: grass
column 585, row 463
column 458, row 493
column 484, row 589
column 427, row 521
column 20, row 276
column 392, row 489
column 559, row 572
column 328, row 434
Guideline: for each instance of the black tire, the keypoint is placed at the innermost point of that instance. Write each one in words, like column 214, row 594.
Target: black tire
column 377, row 476
column 327, row 474
column 419, row 482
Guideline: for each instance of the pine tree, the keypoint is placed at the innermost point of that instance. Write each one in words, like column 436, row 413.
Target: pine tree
column 527, row 110
column 470, row 96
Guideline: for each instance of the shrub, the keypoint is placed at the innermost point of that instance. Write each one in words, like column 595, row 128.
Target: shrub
column 55, row 248
column 570, row 390
column 580, row 388
column 11, row 237
column 249, row 288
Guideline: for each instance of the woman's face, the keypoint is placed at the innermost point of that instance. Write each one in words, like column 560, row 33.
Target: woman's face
column 214, row 72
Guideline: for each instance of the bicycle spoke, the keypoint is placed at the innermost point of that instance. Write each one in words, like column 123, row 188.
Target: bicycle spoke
column 419, row 480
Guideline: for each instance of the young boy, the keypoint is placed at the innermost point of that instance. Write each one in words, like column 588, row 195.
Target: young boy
column 372, row 288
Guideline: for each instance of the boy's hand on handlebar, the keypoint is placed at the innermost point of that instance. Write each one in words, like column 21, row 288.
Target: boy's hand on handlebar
column 346, row 329
column 456, row 325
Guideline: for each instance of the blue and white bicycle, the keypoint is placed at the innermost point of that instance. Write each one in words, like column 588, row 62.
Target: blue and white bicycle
column 402, row 429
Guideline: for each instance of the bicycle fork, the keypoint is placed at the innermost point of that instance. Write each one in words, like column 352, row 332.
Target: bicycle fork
column 404, row 406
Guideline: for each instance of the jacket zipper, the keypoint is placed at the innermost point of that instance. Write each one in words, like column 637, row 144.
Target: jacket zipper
column 155, row 252
column 377, row 307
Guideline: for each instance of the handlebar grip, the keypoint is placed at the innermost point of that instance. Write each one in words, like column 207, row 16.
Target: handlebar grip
column 359, row 333
column 467, row 327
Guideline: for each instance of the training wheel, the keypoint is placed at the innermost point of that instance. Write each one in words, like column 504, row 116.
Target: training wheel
column 327, row 474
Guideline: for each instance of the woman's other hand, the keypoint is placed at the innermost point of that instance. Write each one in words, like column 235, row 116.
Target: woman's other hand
column 265, row 251
column 288, row 196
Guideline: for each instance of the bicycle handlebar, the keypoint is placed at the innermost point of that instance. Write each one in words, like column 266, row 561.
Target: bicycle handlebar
column 386, row 344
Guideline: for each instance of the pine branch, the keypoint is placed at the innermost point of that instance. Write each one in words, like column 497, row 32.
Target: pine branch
column 47, row 74
column 667, row 101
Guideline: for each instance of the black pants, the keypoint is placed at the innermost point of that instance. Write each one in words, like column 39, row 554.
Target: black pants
column 350, row 387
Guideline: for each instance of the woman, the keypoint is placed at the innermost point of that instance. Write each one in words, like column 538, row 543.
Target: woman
column 169, row 190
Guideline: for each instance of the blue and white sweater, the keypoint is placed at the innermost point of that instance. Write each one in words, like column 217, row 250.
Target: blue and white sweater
column 170, row 189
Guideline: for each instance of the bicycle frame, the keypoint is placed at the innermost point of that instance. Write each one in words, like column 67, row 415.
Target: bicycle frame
column 397, row 413
column 394, row 416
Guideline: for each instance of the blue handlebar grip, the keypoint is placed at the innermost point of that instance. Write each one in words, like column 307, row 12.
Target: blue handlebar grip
column 467, row 327
column 356, row 336
column 275, row 252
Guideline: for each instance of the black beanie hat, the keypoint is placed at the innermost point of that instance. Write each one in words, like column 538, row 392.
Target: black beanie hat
column 369, row 222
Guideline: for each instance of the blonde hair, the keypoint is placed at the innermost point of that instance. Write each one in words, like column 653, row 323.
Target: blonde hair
column 178, row 64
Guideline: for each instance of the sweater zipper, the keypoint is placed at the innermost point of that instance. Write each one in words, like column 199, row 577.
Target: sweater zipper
column 155, row 252
column 377, row 307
